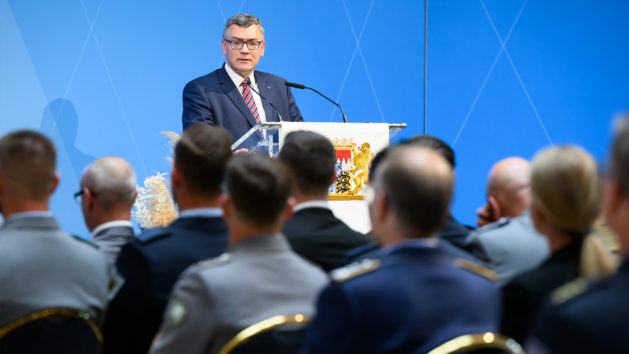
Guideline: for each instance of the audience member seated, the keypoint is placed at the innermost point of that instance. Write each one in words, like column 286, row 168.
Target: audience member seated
column 108, row 190
column 40, row 265
column 508, row 191
column 258, row 278
column 510, row 245
column 414, row 297
column 313, row 231
column 451, row 231
column 565, row 203
column 148, row 266
column 594, row 318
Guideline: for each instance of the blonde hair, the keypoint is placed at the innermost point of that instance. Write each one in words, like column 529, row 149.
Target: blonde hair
column 565, row 188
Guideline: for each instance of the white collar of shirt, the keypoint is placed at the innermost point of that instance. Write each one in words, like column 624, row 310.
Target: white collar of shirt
column 29, row 214
column 201, row 212
column 237, row 79
column 324, row 204
column 107, row 225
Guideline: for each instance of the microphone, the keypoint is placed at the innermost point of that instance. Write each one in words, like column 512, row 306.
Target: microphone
column 301, row 87
column 264, row 98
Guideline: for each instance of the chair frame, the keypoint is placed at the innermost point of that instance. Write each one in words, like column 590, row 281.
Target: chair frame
column 263, row 326
column 82, row 315
column 478, row 341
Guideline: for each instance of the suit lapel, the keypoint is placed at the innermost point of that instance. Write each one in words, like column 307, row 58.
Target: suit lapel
column 227, row 85
column 265, row 89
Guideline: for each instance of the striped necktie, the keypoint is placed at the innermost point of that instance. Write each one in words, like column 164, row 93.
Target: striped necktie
column 247, row 95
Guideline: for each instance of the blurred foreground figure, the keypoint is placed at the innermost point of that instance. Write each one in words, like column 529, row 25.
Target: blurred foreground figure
column 415, row 297
column 40, row 265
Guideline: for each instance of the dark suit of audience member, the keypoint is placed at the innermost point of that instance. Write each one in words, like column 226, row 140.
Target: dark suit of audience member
column 454, row 233
column 40, row 265
column 565, row 204
column 525, row 294
column 414, row 297
column 108, row 191
column 149, row 266
column 594, row 319
column 258, row 278
column 313, row 231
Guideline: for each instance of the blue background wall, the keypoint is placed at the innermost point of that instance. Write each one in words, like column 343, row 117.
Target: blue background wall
column 105, row 77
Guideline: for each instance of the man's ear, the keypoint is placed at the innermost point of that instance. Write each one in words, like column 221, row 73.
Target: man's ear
column 539, row 220
column 334, row 178
column 224, row 46
column 290, row 205
column 381, row 207
column 495, row 212
column 225, row 204
column 175, row 177
column 55, row 182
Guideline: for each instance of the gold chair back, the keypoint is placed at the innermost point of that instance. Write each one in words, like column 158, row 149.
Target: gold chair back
column 471, row 342
column 261, row 327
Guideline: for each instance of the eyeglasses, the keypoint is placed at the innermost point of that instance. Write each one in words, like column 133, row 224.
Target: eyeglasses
column 77, row 196
column 237, row 44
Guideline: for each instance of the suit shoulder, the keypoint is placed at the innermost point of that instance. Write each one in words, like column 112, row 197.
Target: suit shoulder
column 85, row 241
column 476, row 269
column 153, row 235
column 355, row 269
column 500, row 224
column 203, row 79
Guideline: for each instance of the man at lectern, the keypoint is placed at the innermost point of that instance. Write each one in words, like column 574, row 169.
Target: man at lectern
column 235, row 96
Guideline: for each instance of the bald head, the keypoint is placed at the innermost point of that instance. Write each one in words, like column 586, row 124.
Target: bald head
column 508, row 187
column 111, row 181
column 417, row 184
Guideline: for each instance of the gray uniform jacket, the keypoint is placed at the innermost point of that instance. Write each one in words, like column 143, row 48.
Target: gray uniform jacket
column 258, row 278
column 41, row 267
column 111, row 240
column 510, row 246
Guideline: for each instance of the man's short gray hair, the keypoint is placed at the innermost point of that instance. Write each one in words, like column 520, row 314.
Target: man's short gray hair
column 243, row 20
column 112, row 181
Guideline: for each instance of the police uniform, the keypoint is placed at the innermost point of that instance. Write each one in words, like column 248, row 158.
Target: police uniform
column 258, row 278
column 42, row 267
column 510, row 246
column 409, row 301
column 146, row 271
column 588, row 318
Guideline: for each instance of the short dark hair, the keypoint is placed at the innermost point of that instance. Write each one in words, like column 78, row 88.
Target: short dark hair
column 419, row 198
column 620, row 154
column 27, row 162
column 311, row 159
column 243, row 20
column 259, row 187
column 201, row 156
column 435, row 144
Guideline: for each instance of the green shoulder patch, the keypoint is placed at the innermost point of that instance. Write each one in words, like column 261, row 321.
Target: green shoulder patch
column 476, row 268
column 177, row 312
column 569, row 290
column 355, row 269
column 86, row 241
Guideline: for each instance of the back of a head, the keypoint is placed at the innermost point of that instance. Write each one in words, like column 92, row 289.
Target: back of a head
column 620, row 154
column 311, row 159
column 418, row 184
column 508, row 181
column 259, row 188
column 201, row 156
column 565, row 188
column 27, row 164
column 434, row 144
column 112, row 181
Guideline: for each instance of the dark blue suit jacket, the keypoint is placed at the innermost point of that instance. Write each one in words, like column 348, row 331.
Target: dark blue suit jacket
column 150, row 265
column 214, row 99
column 416, row 300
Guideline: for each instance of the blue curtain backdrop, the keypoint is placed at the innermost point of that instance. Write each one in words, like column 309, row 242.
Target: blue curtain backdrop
column 104, row 77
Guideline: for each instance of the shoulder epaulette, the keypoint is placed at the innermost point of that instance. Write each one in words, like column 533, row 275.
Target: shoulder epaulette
column 214, row 262
column 84, row 240
column 152, row 235
column 569, row 291
column 476, row 268
column 355, row 269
